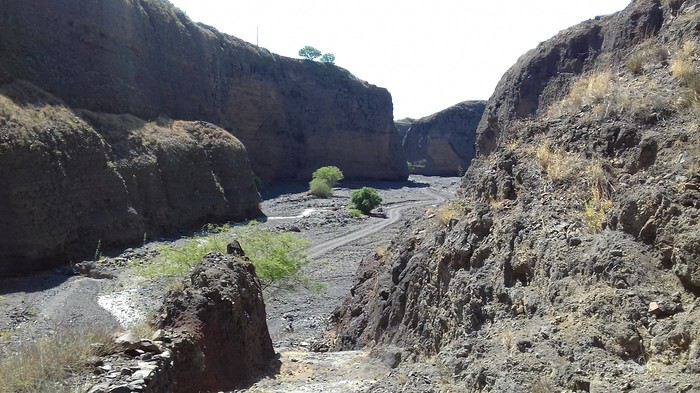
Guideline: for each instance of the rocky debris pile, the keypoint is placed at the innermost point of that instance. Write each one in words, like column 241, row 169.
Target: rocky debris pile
column 212, row 336
column 147, row 58
column 443, row 144
column 76, row 182
column 568, row 262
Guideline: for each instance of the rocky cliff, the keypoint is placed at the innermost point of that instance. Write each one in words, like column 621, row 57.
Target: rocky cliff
column 77, row 182
column 146, row 58
column 570, row 260
column 443, row 144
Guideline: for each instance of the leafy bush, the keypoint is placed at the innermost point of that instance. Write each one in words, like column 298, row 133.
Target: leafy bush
column 323, row 180
column 320, row 188
column 366, row 199
column 328, row 58
column 309, row 53
column 276, row 256
column 331, row 174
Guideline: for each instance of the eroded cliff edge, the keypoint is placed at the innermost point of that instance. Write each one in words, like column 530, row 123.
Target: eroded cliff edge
column 76, row 182
column 570, row 260
column 443, row 144
column 147, row 58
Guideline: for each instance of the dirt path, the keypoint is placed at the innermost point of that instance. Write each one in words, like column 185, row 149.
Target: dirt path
column 393, row 214
column 299, row 319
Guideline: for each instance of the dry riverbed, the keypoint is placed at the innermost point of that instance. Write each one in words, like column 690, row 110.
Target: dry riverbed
column 113, row 297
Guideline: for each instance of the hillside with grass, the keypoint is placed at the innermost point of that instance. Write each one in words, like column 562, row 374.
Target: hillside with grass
column 571, row 260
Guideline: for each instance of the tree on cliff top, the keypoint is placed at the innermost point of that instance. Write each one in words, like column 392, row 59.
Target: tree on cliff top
column 328, row 58
column 309, row 53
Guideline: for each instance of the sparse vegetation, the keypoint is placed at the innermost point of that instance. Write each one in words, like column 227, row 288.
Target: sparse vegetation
column 411, row 167
column 602, row 95
column 355, row 213
column 323, row 180
column 684, row 68
column 366, row 199
column 446, row 214
column 276, row 256
column 45, row 365
column 648, row 53
column 320, row 188
column 558, row 164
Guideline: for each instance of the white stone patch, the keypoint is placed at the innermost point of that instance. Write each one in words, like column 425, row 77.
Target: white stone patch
column 304, row 214
column 122, row 306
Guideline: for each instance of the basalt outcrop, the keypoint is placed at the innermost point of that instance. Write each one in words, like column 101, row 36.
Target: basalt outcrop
column 147, row 58
column 569, row 261
column 443, row 144
column 212, row 336
column 76, row 182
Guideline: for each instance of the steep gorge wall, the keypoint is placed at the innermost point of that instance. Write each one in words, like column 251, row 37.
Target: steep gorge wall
column 146, row 58
column 78, row 182
column 443, row 144
column 569, row 262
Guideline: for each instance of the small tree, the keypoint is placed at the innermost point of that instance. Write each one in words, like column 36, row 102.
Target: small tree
column 330, row 174
column 366, row 199
column 328, row 58
column 309, row 53
column 320, row 188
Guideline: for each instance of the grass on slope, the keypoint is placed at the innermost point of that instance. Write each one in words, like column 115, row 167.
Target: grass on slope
column 276, row 256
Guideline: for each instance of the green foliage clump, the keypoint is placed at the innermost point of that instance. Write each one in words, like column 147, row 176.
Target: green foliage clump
column 366, row 199
column 331, row 174
column 276, row 256
column 355, row 213
column 323, row 180
column 320, row 188
column 328, row 58
column 309, row 53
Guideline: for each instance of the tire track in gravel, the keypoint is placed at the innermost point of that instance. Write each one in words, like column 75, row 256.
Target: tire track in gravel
column 394, row 214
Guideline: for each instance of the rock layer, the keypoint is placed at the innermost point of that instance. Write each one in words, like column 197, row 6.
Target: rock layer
column 443, row 144
column 77, row 182
column 146, row 58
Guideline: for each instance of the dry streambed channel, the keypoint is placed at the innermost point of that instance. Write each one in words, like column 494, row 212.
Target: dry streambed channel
column 114, row 297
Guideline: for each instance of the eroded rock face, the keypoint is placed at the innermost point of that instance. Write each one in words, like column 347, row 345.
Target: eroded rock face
column 569, row 262
column 443, row 144
column 212, row 336
column 75, row 181
column 543, row 75
column 146, row 58
column 221, row 313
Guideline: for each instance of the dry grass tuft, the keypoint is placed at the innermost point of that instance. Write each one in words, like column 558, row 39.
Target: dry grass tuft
column 596, row 209
column 648, row 53
column 446, row 214
column 46, row 365
column 558, row 164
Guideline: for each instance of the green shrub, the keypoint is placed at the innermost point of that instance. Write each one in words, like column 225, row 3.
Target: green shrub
column 328, row 58
column 276, row 256
column 330, row 174
column 355, row 213
column 309, row 53
column 411, row 167
column 366, row 199
column 320, row 188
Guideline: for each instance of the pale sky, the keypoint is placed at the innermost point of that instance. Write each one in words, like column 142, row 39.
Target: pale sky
column 429, row 54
